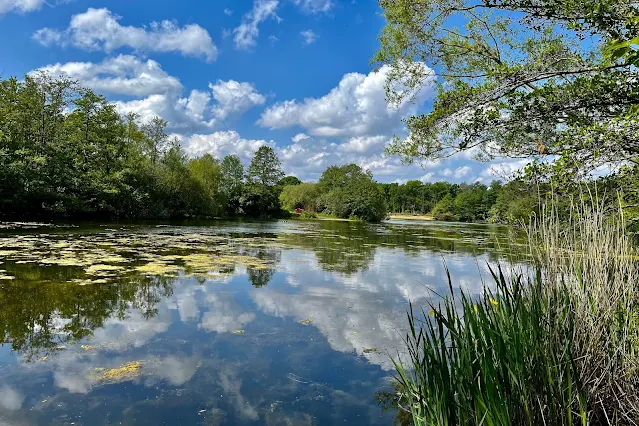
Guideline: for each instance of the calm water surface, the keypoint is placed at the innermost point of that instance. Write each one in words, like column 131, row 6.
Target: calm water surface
column 276, row 323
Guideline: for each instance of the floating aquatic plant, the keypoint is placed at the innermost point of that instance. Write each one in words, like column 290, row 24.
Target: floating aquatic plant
column 128, row 371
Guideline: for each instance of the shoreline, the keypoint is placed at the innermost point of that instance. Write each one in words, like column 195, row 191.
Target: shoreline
column 322, row 217
column 411, row 217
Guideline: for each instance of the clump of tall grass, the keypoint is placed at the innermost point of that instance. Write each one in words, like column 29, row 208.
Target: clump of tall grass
column 554, row 344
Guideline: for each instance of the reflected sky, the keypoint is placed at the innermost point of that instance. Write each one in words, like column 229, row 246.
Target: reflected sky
column 218, row 323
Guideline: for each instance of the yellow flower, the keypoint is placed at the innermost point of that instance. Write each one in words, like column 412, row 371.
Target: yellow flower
column 475, row 307
column 494, row 302
column 432, row 313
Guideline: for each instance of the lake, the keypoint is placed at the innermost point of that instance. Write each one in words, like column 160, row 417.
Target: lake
column 220, row 323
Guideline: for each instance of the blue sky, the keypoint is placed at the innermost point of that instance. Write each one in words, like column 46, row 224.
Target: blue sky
column 230, row 76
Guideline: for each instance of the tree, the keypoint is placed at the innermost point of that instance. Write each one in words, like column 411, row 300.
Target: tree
column 515, row 203
column 289, row 180
column 445, row 209
column 232, row 174
column 207, row 171
column 182, row 194
column 265, row 167
column 439, row 190
column 65, row 151
column 155, row 137
column 412, row 194
column 232, row 182
column 302, row 196
column 521, row 78
column 469, row 203
column 365, row 200
column 339, row 176
column 259, row 200
column 261, row 196
column 349, row 191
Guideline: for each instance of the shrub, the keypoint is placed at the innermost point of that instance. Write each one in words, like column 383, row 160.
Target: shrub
column 259, row 201
column 445, row 209
column 303, row 195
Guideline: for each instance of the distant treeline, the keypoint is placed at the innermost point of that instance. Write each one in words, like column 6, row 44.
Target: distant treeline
column 462, row 202
column 347, row 191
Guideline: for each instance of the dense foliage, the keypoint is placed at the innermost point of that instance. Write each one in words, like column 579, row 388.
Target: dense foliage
column 349, row 191
column 65, row 151
column 548, row 79
column 513, row 202
column 342, row 191
column 300, row 196
column 552, row 82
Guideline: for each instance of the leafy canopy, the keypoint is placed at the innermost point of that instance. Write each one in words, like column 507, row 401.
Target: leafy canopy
column 517, row 78
column 289, row 180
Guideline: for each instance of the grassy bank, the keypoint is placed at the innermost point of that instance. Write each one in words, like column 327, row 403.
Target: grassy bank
column 554, row 344
column 410, row 216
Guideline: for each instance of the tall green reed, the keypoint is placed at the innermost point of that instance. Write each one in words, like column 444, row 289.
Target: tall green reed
column 553, row 344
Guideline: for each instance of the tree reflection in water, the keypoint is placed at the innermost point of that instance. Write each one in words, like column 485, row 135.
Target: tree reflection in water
column 41, row 310
column 46, row 307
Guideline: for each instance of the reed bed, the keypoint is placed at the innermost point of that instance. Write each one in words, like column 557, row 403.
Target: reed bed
column 553, row 343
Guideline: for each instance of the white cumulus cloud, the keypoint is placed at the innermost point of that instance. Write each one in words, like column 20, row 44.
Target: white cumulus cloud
column 356, row 107
column 365, row 144
column 246, row 33
column 234, row 97
column 300, row 137
column 124, row 74
column 220, row 144
column 307, row 157
column 462, row 171
column 161, row 94
column 185, row 114
column 100, row 30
